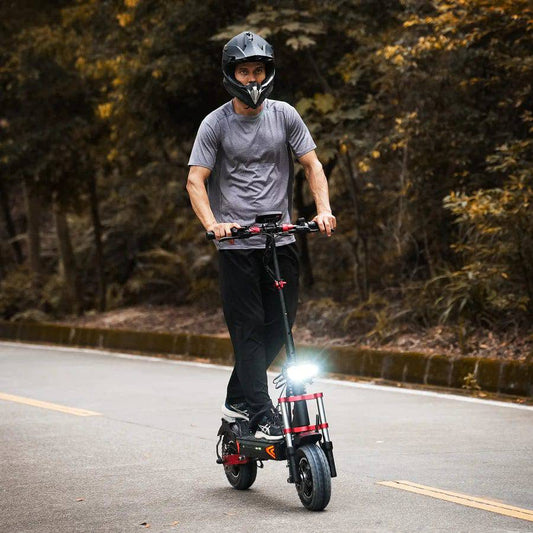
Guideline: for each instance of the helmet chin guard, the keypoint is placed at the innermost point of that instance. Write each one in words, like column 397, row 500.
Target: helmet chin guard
column 244, row 48
column 254, row 91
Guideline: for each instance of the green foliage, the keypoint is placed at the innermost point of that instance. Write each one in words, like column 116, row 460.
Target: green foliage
column 16, row 294
column 496, row 242
column 298, row 27
column 376, row 319
column 19, row 300
column 52, row 297
column 47, row 118
column 470, row 382
column 422, row 109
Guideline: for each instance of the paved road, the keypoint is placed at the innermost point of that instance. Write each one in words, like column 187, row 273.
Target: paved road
column 148, row 457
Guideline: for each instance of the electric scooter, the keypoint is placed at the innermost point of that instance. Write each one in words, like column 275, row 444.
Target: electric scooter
column 306, row 446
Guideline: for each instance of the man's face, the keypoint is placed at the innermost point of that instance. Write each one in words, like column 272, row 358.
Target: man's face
column 246, row 73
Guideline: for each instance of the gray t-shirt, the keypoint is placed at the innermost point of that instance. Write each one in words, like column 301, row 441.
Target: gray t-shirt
column 251, row 164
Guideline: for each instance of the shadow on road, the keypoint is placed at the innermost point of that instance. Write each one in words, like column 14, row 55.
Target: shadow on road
column 254, row 499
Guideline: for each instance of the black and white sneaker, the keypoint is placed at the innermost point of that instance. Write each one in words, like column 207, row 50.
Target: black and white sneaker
column 233, row 411
column 270, row 427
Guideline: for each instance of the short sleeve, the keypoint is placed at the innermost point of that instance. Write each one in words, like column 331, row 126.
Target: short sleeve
column 204, row 150
column 299, row 137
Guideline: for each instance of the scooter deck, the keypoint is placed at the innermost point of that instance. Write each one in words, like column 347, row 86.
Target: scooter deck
column 262, row 449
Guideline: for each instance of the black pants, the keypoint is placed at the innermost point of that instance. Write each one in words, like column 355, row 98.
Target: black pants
column 252, row 311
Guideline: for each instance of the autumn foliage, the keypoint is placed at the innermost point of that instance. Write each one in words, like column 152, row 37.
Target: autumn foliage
column 422, row 112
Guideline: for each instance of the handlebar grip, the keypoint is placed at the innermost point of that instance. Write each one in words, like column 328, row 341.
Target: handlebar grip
column 313, row 226
column 237, row 233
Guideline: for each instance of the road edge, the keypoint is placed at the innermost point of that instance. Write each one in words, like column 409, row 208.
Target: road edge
column 492, row 375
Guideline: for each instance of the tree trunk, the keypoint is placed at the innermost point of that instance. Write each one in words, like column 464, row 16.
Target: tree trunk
column 398, row 234
column 318, row 73
column 33, row 217
column 72, row 293
column 97, row 227
column 360, row 244
column 10, row 225
column 306, row 211
column 2, row 263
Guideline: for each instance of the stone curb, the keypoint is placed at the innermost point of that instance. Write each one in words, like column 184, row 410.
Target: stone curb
column 506, row 377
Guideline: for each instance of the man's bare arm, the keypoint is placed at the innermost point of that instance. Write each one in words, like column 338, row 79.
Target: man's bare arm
column 319, row 189
column 200, row 203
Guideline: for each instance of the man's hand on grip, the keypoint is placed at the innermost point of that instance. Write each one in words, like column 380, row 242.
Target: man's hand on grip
column 326, row 223
column 222, row 229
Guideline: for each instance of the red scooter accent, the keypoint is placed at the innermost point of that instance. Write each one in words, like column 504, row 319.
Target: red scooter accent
column 301, row 397
column 234, row 459
column 302, row 429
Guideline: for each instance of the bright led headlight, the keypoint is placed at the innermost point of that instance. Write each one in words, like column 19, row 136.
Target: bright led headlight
column 302, row 373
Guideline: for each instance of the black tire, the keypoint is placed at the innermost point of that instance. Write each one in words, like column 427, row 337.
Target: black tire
column 314, row 489
column 240, row 477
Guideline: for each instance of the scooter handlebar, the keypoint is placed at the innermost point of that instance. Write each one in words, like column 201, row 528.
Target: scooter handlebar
column 272, row 228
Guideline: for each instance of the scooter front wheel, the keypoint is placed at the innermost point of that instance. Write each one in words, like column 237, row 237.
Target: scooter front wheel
column 314, row 488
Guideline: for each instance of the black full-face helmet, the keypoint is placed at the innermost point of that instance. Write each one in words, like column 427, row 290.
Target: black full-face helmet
column 243, row 48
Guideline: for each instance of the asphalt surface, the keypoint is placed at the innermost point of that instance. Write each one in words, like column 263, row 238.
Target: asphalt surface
column 147, row 460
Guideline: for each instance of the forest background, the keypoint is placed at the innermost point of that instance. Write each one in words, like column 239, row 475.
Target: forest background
column 422, row 113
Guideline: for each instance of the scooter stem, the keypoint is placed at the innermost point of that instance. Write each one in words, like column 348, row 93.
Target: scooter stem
column 289, row 341
column 301, row 414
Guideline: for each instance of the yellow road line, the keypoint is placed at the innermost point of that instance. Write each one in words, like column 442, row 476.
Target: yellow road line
column 462, row 499
column 47, row 405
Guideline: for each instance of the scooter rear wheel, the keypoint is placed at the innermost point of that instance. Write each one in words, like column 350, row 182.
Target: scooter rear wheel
column 240, row 477
column 314, row 489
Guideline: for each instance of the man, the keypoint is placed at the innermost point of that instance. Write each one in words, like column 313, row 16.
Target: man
column 242, row 153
